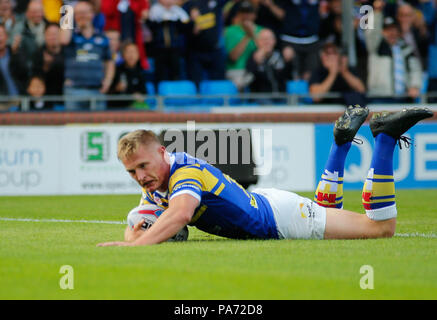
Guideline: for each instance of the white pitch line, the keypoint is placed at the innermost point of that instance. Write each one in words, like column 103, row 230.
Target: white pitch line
column 401, row 235
column 416, row 235
column 61, row 220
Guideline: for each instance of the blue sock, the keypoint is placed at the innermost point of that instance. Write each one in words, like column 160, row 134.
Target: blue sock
column 329, row 191
column 382, row 160
column 379, row 188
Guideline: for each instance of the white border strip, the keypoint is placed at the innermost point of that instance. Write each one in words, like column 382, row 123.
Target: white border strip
column 400, row 235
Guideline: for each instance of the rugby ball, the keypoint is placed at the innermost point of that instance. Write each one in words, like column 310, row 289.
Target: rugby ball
column 148, row 213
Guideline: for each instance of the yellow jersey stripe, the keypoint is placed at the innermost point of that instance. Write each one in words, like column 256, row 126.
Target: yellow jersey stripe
column 220, row 189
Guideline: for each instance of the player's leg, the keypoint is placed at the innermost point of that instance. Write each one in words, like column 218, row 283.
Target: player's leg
column 378, row 191
column 348, row 225
column 329, row 192
column 344, row 224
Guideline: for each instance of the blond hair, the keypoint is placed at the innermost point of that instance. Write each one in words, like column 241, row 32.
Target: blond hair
column 129, row 143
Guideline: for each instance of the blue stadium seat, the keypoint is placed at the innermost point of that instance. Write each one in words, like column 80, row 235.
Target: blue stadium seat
column 218, row 87
column 14, row 109
column 150, row 73
column 173, row 89
column 425, row 83
column 58, row 107
column 299, row 87
column 150, row 88
column 151, row 91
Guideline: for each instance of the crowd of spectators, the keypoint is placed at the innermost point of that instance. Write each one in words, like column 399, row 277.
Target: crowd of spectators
column 117, row 46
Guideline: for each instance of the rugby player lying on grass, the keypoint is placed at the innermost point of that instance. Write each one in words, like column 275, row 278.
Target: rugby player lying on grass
column 192, row 192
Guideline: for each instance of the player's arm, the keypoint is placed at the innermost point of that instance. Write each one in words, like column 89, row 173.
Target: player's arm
column 178, row 215
column 131, row 235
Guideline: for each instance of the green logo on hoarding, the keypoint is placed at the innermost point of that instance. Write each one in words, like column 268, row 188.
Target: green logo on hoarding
column 94, row 146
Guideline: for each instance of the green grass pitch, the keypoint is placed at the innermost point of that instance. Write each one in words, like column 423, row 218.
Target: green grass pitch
column 208, row 267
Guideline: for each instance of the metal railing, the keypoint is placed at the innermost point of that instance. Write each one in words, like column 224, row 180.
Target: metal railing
column 163, row 103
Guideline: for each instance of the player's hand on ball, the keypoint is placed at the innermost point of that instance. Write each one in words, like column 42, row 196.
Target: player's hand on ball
column 137, row 231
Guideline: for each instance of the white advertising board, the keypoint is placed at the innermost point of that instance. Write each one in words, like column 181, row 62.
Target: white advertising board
column 81, row 159
column 30, row 162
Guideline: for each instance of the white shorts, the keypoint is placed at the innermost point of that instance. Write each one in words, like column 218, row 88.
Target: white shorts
column 296, row 217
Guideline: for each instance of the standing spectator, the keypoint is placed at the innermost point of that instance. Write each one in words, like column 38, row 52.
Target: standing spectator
column 99, row 18
column 28, row 35
column 115, row 45
column 12, row 71
column 269, row 15
column 89, row 69
column 7, row 16
column 205, row 43
column 394, row 69
column 229, row 11
column 128, row 17
column 331, row 30
column 300, row 30
column 429, row 10
column 129, row 77
column 13, row 75
column 270, row 68
column 331, row 23
column 168, row 23
column 20, row 7
column 48, row 62
column 413, row 31
column 335, row 76
column 240, row 44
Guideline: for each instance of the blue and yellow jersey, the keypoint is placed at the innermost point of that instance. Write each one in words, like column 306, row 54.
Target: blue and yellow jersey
column 226, row 208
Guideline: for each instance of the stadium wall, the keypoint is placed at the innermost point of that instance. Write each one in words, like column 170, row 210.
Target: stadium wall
column 81, row 158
